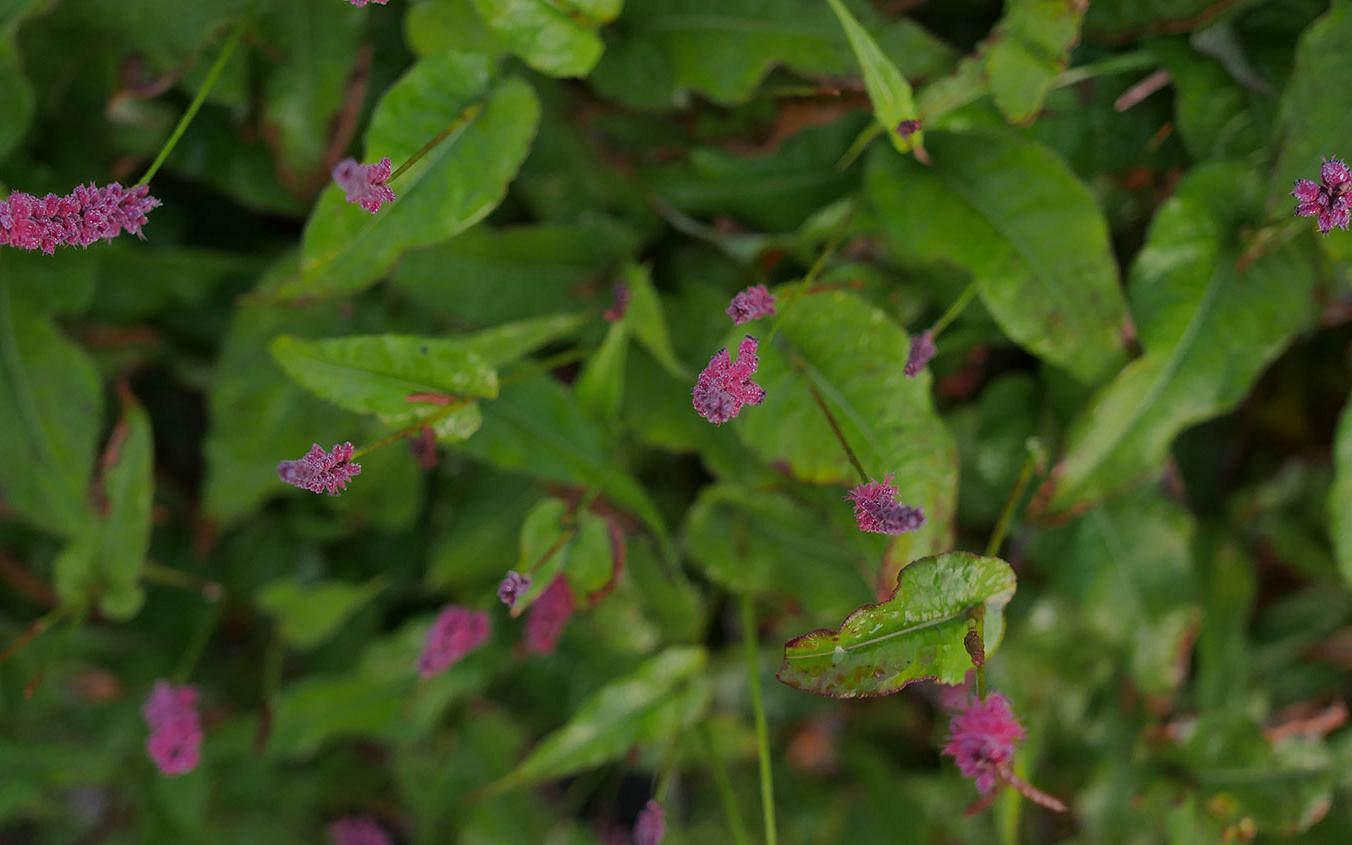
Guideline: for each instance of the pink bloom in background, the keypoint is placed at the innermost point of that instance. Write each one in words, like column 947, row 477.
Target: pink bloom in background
column 357, row 830
column 175, row 742
column 651, row 825
column 549, row 616
column 617, row 311
column 981, row 740
column 907, row 128
column 512, row 587
column 80, row 218
column 724, row 387
column 365, row 184
column 456, row 632
column 1329, row 201
column 751, row 304
column 877, row 510
column 361, row 3
column 922, row 352
column 319, row 471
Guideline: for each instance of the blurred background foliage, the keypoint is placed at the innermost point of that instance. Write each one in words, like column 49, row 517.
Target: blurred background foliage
column 1112, row 179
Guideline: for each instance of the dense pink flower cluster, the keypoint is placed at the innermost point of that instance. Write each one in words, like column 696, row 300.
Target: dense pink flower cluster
column 922, row 352
column 319, row 471
column 362, row 3
column 175, row 742
column 877, row 511
column 1329, row 200
column 456, row 632
column 617, row 311
column 365, row 184
column 80, row 218
column 548, row 617
column 981, row 740
column 513, row 585
column 357, row 830
column 751, row 304
column 724, row 387
column 651, row 825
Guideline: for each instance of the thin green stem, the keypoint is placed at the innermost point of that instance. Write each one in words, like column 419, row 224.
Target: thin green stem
column 752, row 643
column 1123, row 63
column 410, row 430
column 184, row 122
column 801, row 367
column 724, row 786
column 197, row 645
column 154, row 572
column 535, row 368
column 273, row 660
column 818, row 265
column 1011, row 504
column 954, row 311
column 35, row 629
column 470, row 112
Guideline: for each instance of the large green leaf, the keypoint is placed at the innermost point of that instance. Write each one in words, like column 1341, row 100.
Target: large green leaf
column 309, row 613
column 665, row 694
column 1340, row 497
column 104, row 560
column 345, row 249
column 1208, row 329
column 887, row 89
column 1012, row 214
column 557, row 37
column 393, row 377
column 1028, row 48
column 917, row 634
column 51, row 408
column 853, row 354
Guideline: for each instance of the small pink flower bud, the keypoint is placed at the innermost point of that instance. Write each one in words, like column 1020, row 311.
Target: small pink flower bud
column 981, row 740
column 362, row 3
column 724, row 387
column 365, row 184
column 877, row 511
column 175, row 741
column 922, row 352
column 1330, row 200
column 319, row 471
column 751, row 304
column 456, row 632
column 651, row 825
column 617, row 311
column 512, row 587
column 357, row 830
column 907, row 128
column 548, row 617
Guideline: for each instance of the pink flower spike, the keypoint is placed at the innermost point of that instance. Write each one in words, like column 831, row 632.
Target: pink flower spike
column 1333, row 172
column 981, row 740
column 616, row 312
column 357, row 830
column 362, row 3
column 877, row 511
column 456, row 632
column 513, row 585
column 319, row 471
column 1329, row 201
column 548, row 617
column 365, row 184
column 922, row 352
column 84, row 216
column 751, row 304
column 724, row 387
column 175, row 741
column 651, row 825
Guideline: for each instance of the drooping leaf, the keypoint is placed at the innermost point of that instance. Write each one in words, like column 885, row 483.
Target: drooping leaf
column 1012, row 214
column 600, row 386
column 346, row 249
column 1340, row 497
column 888, row 90
column 916, row 634
column 510, row 342
column 1207, row 326
column 1028, row 48
column 663, row 695
column 852, row 353
column 51, row 407
column 439, row 26
column 309, row 613
column 559, row 39
column 647, row 320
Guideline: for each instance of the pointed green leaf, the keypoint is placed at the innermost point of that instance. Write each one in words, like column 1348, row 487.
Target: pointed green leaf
column 556, row 37
column 1340, row 497
column 1030, row 45
column 646, row 318
column 887, row 88
column 345, row 248
column 508, row 343
column 663, row 695
column 1011, row 213
column 600, row 386
column 309, row 613
column 917, row 634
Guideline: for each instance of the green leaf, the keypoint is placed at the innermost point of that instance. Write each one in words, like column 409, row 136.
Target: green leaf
column 1340, row 497
column 17, row 100
column 555, row 37
column 600, row 385
column 439, row 26
column 646, row 319
column 665, row 694
column 506, row 344
column 887, row 88
column 1012, row 214
column 346, row 249
column 1030, row 45
column 377, row 374
column 104, row 560
column 1208, row 329
column 51, row 407
column 917, row 634
column 578, row 545
column 307, row 614
column 853, row 353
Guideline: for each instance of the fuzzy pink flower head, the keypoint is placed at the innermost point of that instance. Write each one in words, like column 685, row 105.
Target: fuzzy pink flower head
column 83, row 217
column 1333, row 172
column 513, row 585
column 751, row 304
column 877, row 511
column 365, row 184
column 981, row 740
column 1329, row 201
column 319, row 471
column 456, row 632
column 724, row 386
column 175, row 742
column 362, row 3
column 651, row 825
column 548, row 617
column 357, row 830
column 616, row 312
column 922, row 352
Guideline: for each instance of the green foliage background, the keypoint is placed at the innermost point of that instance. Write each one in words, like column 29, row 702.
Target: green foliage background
column 1153, row 338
